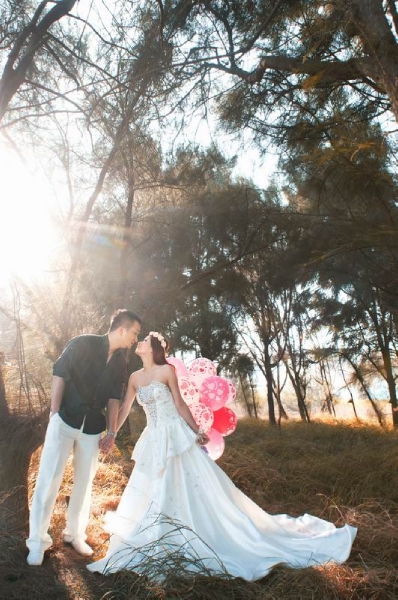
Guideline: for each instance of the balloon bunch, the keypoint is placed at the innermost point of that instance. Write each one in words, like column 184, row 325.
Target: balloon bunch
column 206, row 395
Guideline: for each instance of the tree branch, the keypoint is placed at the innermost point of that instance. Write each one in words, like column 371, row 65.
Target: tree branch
column 261, row 29
column 394, row 13
column 320, row 72
column 13, row 77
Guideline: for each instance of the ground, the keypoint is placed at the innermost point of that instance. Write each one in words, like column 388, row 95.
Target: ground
column 343, row 473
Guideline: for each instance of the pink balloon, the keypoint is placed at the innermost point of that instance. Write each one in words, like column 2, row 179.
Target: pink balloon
column 188, row 390
column 196, row 379
column 201, row 368
column 179, row 366
column 215, row 447
column 202, row 415
column 224, row 421
column 232, row 390
column 214, row 392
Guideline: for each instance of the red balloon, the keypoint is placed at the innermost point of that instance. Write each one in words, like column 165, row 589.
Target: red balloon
column 225, row 421
column 214, row 392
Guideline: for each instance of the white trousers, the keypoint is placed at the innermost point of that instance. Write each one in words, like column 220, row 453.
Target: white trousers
column 60, row 440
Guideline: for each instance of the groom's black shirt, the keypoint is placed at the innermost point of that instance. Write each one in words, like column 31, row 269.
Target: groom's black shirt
column 89, row 381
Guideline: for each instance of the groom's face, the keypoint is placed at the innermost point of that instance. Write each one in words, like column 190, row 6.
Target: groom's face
column 130, row 335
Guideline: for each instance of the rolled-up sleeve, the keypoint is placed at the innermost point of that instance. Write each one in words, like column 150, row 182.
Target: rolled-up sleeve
column 62, row 366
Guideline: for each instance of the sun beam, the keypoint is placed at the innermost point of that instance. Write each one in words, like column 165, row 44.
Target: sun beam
column 27, row 236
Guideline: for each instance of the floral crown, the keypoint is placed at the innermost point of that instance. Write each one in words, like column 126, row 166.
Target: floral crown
column 159, row 337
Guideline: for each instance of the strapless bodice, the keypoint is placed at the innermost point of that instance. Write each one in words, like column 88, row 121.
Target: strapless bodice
column 158, row 404
column 166, row 434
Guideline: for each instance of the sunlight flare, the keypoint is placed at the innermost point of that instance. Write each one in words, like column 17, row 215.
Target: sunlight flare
column 27, row 235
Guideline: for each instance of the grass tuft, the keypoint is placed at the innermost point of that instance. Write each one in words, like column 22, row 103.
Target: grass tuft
column 343, row 473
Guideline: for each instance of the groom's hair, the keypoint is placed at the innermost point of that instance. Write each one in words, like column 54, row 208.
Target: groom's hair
column 123, row 318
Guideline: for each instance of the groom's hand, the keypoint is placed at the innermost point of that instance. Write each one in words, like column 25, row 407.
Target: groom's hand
column 107, row 443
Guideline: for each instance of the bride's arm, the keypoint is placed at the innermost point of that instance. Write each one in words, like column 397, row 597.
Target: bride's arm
column 127, row 402
column 182, row 407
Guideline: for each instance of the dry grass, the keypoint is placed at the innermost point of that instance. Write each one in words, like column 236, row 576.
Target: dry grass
column 337, row 472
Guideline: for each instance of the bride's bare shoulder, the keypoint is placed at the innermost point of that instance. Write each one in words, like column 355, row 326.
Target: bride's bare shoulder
column 134, row 377
column 167, row 371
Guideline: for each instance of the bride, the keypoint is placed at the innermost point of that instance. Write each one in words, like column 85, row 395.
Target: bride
column 180, row 510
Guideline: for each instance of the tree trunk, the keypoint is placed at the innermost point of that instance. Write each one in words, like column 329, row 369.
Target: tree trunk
column 277, row 393
column 391, row 384
column 270, row 385
column 372, row 27
column 351, row 401
column 384, row 339
column 124, row 256
column 295, row 381
column 4, row 411
column 23, row 52
column 328, row 402
column 358, row 374
column 254, row 402
column 282, row 413
column 242, row 386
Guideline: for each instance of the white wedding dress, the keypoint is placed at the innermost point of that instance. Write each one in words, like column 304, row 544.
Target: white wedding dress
column 181, row 513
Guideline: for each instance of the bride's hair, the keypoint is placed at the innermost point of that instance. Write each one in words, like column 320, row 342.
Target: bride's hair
column 159, row 350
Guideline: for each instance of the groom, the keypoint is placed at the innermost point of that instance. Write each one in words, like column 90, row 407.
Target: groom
column 88, row 380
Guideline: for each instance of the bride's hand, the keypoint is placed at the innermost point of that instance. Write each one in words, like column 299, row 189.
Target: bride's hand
column 202, row 438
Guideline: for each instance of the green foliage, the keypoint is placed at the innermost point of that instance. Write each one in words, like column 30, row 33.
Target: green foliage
column 204, row 257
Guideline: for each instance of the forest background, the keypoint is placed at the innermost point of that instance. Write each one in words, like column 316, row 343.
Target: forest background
column 137, row 118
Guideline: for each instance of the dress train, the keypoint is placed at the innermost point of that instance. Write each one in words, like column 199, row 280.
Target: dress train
column 181, row 512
